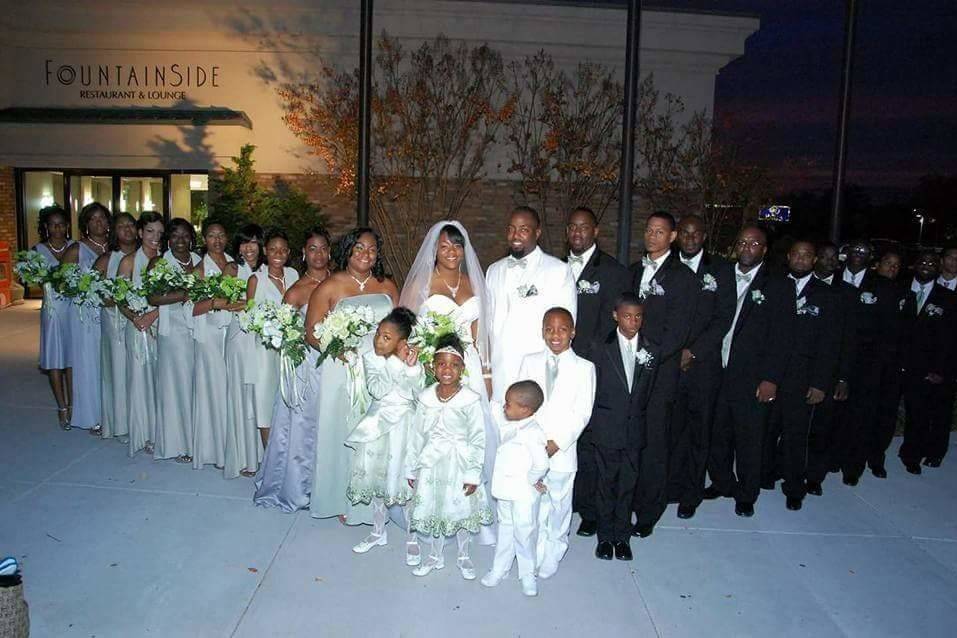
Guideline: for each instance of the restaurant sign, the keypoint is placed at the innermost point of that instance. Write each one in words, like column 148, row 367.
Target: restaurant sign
column 131, row 81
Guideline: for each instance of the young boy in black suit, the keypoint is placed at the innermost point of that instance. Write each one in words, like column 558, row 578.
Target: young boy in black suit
column 625, row 370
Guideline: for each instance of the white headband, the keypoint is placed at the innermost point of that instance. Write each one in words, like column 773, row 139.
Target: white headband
column 450, row 350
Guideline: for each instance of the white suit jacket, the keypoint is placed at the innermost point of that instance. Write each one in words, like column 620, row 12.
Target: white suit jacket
column 517, row 304
column 567, row 410
column 520, row 460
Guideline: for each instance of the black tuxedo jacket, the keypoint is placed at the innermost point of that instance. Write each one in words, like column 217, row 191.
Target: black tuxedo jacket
column 816, row 341
column 928, row 339
column 762, row 337
column 875, row 305
column 619, row 416
column 595, row 308
column 846, row 299
column 714, row 310
column 668, row 316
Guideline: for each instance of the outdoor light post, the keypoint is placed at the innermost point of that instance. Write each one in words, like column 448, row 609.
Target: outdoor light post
column 626, row 170
column 365, row 114
column 840, row 150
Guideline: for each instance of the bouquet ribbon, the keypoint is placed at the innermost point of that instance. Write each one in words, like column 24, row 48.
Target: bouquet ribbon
column 288, row 382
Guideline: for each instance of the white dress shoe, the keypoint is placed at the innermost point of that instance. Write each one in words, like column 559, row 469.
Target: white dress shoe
column 466, row 567
column 432, row 562
column 370, row 541
column 529, row 586
column 492, row 579
column 413, row 557
column 547, row 570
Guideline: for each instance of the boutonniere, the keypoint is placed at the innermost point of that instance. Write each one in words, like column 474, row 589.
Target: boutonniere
column 525, row 291
column 804, row 308
column 933, row 311
column 651, row 289
column 644, row 358
column 588, row 288
column 868, row 298
column 709, row 283
column 900, row 305
column 757, row 297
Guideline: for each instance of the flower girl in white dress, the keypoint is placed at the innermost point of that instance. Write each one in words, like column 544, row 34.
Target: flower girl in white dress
column 394, row 379
column 444, row 462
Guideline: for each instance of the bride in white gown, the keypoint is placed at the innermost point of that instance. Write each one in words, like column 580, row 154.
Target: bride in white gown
column 447, row 278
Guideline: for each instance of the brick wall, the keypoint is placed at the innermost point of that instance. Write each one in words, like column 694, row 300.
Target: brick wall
column 483, row 215
column 8, row 207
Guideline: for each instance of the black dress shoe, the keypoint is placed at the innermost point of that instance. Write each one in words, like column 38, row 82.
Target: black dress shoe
column 879, row 472
column 686, row 511
column 711, row 493
column 851, row 480
column 744, row 509
column 814, row 488
column 913, row 468
column 587, row 528
column 623, row 551
column 605, row 550
column 932, row 462
column 768, row 485
column 643, row 531
column 794, row 503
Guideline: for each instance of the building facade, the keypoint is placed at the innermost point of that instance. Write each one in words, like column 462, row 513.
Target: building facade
column 122, row 103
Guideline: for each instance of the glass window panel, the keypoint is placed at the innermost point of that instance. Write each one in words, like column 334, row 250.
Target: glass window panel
column 139, row 194
column 40, row 189
column 86, row 189
column 190, row 197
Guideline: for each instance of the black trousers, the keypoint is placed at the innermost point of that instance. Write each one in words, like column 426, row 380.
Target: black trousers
column 824, row 438
column 651, row 495
column 792, row 418
column 929, row 409
column 617, row 478
column 691, row 423
column 585, row 490
column 888, row 404
column 734, row 462
column 861, row 437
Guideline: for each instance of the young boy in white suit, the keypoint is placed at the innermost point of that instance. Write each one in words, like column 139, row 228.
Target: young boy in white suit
column 520, row 465
column 569, row 383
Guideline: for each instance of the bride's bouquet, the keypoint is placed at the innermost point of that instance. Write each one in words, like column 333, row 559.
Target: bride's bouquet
column 125, row 294
column 32, row 268
column 218, row 286
column 278, row 327
column 162, row 278
column 342, row 331
column 427, row 332
column 86, row 289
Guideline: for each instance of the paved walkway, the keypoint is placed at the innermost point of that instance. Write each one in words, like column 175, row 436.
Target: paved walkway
column 113, row 546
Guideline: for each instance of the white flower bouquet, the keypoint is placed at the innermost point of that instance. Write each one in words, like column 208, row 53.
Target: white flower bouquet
column 279, row 327
column 32, row 268
column 342, row 331
column 163, row 278
column 427, row 332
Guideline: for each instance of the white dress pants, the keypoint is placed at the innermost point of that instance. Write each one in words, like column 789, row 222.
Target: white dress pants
column 555, row 517
column 517, row 526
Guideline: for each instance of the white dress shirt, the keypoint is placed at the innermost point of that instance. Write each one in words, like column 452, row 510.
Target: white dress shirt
column 800, row 283
column 586, row 256
column 854, row 280
column 623, row 344
column 693, row 262
column 950, row 284
column 651, row 269
column 829, row 280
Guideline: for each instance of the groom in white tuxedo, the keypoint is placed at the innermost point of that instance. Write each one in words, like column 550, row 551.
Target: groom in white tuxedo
column 521, row 288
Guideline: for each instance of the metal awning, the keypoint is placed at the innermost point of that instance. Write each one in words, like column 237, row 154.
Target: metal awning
column 211, row 116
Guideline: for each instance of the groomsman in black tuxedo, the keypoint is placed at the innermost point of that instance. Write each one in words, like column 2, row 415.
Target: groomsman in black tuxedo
column 753, row 355
column 700, row 364
column 927, row 357
column 599, row 280
column 668, row 290
column 831, row 417
column 874, row 306
column 625, row 371
column 810, row 371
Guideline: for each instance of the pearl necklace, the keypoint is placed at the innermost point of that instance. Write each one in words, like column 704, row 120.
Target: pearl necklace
column 57, row 251
column 102, row 246
column 441, row 400
column 362, row 284
column 185, row 264
column 452, row 289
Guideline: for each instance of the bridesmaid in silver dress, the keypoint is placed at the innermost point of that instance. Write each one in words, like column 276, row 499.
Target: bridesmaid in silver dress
column 342, row 394
column 269, row 283
column 94, row 223
column 138, row 406
column 113, row 422
column 285, row 478
column 54, row 318
column 243, row 450
column 174, row 352
column 211, row 318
